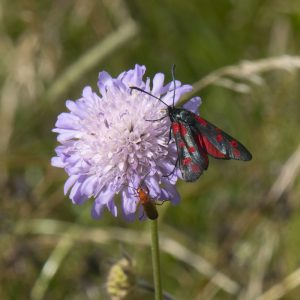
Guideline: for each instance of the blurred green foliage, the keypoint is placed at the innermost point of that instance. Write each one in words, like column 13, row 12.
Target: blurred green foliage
column 232, row 216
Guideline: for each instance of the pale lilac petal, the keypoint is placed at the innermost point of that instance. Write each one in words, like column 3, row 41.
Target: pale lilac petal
column 193, row 105
column 89, row 185
column 112, row 208
column 130, row 216
column 103, row 79
column 158, row 82
column 172, row 193
column 103, row 200
column 134, row 77
column 129, row 202
column 168, row 98
column 67, row 134
column 69, row 183
column 141, row 213
column 57, row 162
column 76, row 195
column 97, row 209
column 87, row 92
column 76, row 108
column 153, row 187
column 67, row 121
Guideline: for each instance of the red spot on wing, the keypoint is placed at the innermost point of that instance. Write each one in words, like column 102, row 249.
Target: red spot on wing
column 191, row 149
column 219, row 137
column 186, row 161
column 181, row 144
column 201, row 121
column 183, row 130
column 195, row 168
column 202, row 148
column 233, row 143
column 199, row 141
column 211, row 149
column 236, row 153
column 175, row 127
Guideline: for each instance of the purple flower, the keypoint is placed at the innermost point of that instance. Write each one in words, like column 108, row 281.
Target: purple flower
column 108, row 146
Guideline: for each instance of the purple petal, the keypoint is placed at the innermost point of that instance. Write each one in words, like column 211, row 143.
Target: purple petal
column 87, row 92
column 147, row 85
column 141, row 213
column 193, row 105
column 89, row 185
column 134, row 77
column 66, row 134
column 173, row 195
column 67, row 121
column 153, row 186
column 130, row 217
column 70, row 182
column 76, row 108
column 76, row 195
column 102, row 200
column 158, row 82
column 103, row 80
column 112, row 207
column 97, row 209
column 57, row 162
column 168, row 98
column 129, row 202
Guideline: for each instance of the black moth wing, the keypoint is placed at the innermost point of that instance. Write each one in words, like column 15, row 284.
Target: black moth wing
column 192, row 160
column 217, row 143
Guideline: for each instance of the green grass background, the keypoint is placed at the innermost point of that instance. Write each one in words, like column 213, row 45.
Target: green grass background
column 231, row 217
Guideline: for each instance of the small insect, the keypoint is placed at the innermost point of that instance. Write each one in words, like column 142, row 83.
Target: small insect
column 143, row 195
column 196, row 138
column 147, row 203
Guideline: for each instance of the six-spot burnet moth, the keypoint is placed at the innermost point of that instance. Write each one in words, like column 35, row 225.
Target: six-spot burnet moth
column 196, row 138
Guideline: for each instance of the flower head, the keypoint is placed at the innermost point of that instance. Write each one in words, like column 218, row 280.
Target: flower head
column 109, row 146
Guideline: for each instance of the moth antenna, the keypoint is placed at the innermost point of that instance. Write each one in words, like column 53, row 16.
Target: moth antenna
column 138, row 89
column 173, row 78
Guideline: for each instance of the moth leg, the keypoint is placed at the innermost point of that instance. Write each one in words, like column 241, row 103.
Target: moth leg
column 170, row 137
column 157, row 119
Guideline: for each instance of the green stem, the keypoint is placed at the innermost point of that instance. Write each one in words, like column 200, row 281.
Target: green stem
column 155, row 261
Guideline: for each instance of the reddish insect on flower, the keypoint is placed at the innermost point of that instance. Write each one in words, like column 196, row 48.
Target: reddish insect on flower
column 196, row 138
column 145, row 200
column 147, row 203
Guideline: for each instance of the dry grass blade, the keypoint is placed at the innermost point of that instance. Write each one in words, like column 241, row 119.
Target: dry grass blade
column 200, row 264
column 287, row 176
column 258, row 267
column 246, row 70
column 90, row 59
column 102, row 236
column 281, row 289
column 51, row 267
